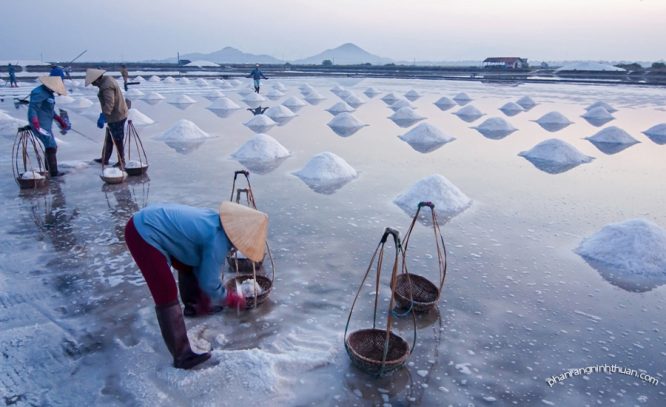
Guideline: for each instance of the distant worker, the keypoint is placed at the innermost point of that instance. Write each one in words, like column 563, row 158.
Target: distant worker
column 258, row 110
column 114, row 114
column 57, row 71
column 125, row 75
column 194, row 241
column 12, row 76
column 256, row 74
column 41, row 112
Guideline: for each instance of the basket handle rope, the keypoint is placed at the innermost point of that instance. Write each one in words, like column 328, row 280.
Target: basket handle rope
column 249, row 187
column 132, row 136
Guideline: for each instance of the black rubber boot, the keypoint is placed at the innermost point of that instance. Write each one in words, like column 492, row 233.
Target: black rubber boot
column 172, row 325
column 52, row 162
column 188, row 287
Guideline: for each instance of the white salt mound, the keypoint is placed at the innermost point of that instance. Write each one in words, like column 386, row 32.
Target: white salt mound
column 613, row 135
column 448, row 199
column 553, row 118
column 135, row 93
column 345, row 120
column 371, row 92
column 183, row 100
column 274, row 94
column 254, row 97
column 31, row 175
column 214, row 94
column 280, row 86
column 511, row 108
column 260, row 123
column 185, row 81
column 201, row 82
column 340, row 107
column 74, row 164
column 657, row 133
column 629, row 254
column 598, row 113
column 113, row 172
column 354, row 100
column 425, row 137
column 261, row 147
column 153, row 96
column 279, row 113
column 293, row 102
column 526, row 102
column 495, row 127
column 138, row 118
column 135, row 164
column 314, row 96
column 468, row 111
column 81, row 103
column 250, row 288
column 557, row 152
column 609, row 108
column 169, row 79
column 327, row 167
column 139, row 79
column 390, row 98
column 406, row 116
column 183, row 130
column 64, row 100
column 462, row 98
column 224, row 103
column 154, row 78
column 400, row 103
column 9, row 125
column 412, row 95
column 445, row 103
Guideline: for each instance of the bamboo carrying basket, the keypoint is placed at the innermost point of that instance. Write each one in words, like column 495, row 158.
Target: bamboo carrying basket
column 118, row 179
column 28, row 156
column 374, row 350
column 416, row 292
column 245, row 268
column 134, row 146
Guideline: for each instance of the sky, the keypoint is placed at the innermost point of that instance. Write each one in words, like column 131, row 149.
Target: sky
column 404, row 30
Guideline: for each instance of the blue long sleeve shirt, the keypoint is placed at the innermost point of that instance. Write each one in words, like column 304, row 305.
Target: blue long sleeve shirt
column 256, row 74
column 42, row 105
column 194, row 236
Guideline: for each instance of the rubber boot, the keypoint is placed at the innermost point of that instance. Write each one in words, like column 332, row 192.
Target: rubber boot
column 121, row 152
column 172, row 325
column 188, row 287
column 52, row 162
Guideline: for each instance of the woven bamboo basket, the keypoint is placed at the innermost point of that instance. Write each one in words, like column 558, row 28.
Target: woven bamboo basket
column 28, row 156
column 252, row 301
column 34, row 183
column 373, row 350
column 135, row 148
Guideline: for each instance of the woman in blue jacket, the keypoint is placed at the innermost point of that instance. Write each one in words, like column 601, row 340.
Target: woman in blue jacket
column 196, row 242
column 256, row 74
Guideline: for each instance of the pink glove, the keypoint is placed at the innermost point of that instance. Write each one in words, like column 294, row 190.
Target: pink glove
column 234, row 300
column 35, row 123
column 62, row 123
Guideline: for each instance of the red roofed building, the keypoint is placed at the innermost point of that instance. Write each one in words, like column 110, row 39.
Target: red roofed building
column 505, row 63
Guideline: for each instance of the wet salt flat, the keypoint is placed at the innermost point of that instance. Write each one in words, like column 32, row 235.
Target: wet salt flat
column 519, row 305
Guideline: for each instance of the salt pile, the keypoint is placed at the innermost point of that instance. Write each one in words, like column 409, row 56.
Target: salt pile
column 224, row 103
column 597, row 116
column 444, row 103
column 390, row 98
column 353, row 100
column 274, row 94
column 306, row 89
column 226, row 85
column 448, row 199
column 495, row 128
column 169, row 79
column 280, row 114
column 138, row 118
column 405, row 117
column 609, row 108
column 412, row 95
column 183, row 131
column 612, row 140
column 154, row 78
column 337, row 90
column 250, row 288
column 630, row 254
column 400, row 103
column 293, row 103
column 326, row 173
column 113, row 172
column 139, row 79
column 217, row 82
column 64, row 100
column 74, row 164
column 280, row 86
column 134, row 164
column 80, row 104
column 468, row 113
column 511, row 108
column 184, row 81
column 314, row 97
column 425, row 138
column 31, row 175
column 153, row 96
column 260, row 123
column 340, row 107
column 553, row 121
column 134, row 93
column 235, row 82
column 555, row 156
column 345, row 124
column 526, row 102
column 253, row 99
column 462, row 98
column 9, row 125
column 246, row 91
column 371, row 92
column 344, row 93
column 261, row 147
column 182, row 100
column 214, row 94
column 201, row 82
column 657, row 133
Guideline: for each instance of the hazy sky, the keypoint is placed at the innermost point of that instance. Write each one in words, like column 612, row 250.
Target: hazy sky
column 115, row 30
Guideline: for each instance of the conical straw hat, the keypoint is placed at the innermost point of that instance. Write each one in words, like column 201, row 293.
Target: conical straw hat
column 246, row 228
column 92, row 75
column 54, row 83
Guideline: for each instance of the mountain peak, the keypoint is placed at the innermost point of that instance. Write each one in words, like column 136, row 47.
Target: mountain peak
column 345, row 54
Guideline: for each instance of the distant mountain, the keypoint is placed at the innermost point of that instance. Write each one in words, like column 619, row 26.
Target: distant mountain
column 345, row 54
column 230, row 55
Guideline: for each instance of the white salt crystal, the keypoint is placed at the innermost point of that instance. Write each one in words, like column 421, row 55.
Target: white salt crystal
column 340, row 107
column 657, row 133
column 462, row 98
column 153, row 96
column 113, row 172
column 31, row 175
column 511, row 108
column 412, row 95
column 138, row 118
column 134, row 92
column 345, row 124
column 371, row 92
column 280, row 114
column 555, row 156
column 169, row 79
column 327, row 167
column 606, row 106
column 598, row 113
column 154, row 78
column 526, row 102
column 260, row 123
column 400, row 103
column 135, row 164
column 405, row 117
column 214, row 94
column 468, row 113
column 444, row 103
column 495, row 127
column 201, row 82
column 261, row 147
column 183, row 100
column 449, row 200
column 425, row 138
column 390, row 98
column 223, row 103
column 250, row 288
column 613, row 135
column 293, row 103
column 183, row 130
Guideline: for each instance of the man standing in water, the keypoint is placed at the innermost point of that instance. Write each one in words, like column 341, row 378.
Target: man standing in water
column 256, row 74
column 125, row 74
